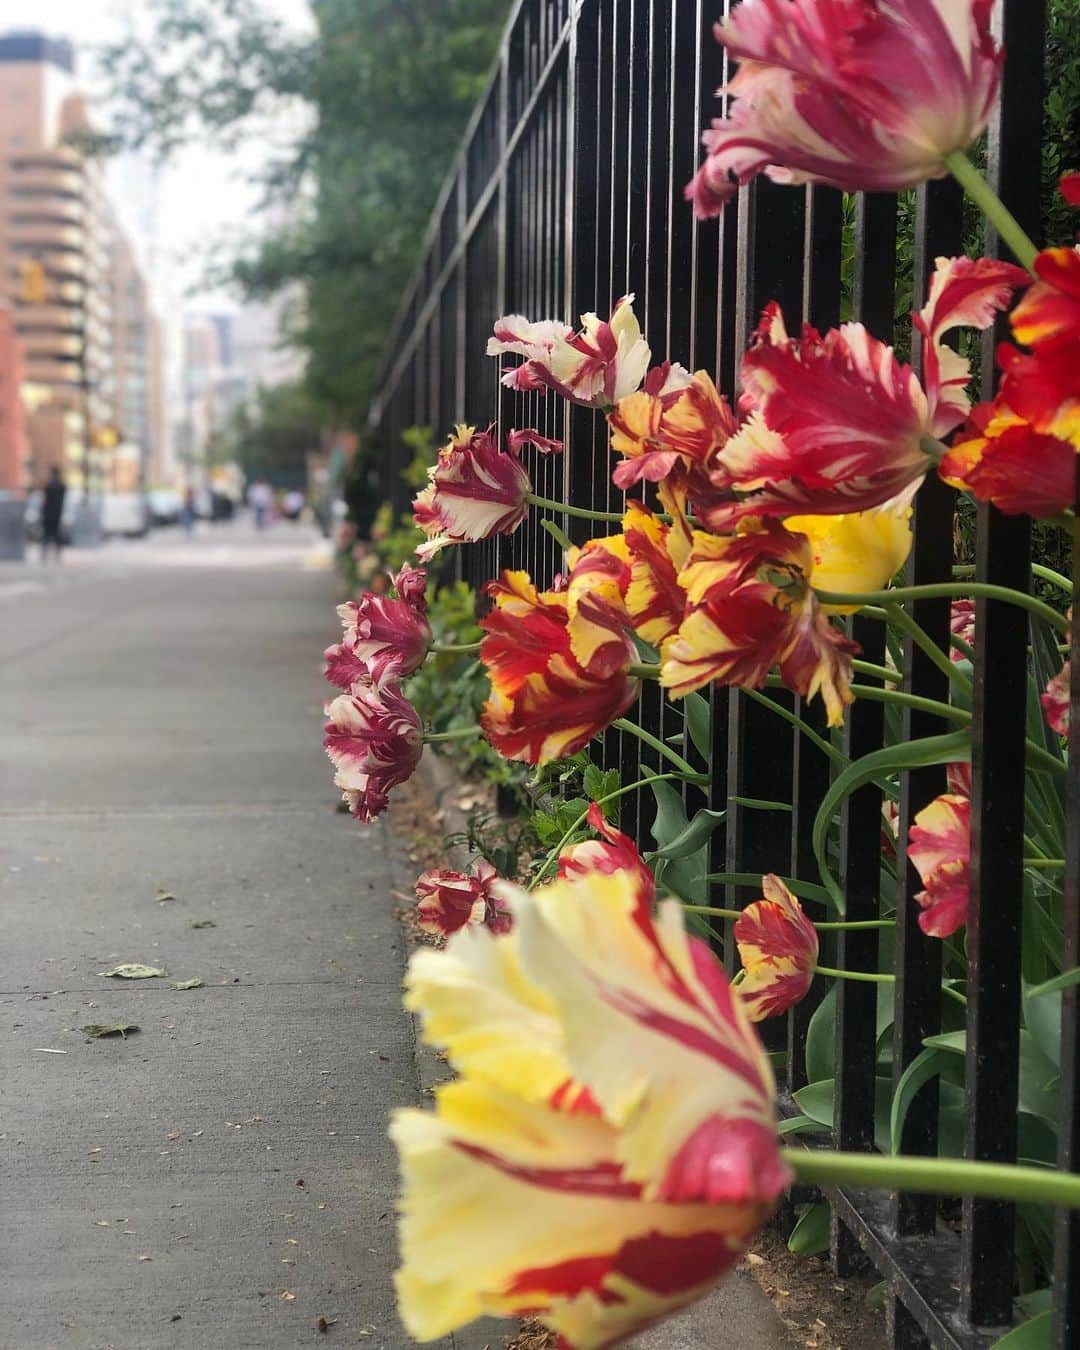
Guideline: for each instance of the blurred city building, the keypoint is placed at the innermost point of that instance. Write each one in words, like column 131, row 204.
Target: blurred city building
column 14, row 447
column 92, row 382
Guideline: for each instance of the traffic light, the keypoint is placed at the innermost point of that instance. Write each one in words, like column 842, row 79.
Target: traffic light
column 106, row 438
column 32, row 282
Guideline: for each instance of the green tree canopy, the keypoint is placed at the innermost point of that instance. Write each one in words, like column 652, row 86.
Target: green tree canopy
column 388, row 86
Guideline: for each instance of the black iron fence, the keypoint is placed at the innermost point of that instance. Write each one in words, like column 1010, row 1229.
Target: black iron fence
column 568, row 193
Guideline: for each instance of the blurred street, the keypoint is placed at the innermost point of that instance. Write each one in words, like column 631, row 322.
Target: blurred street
column 221, row 1177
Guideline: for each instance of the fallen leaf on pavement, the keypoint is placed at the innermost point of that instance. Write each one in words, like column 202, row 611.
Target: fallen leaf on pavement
column 144, row 1258
column 44, row 1050
column 287, row 1296
column 99, row 1029
column 203, row 923
column 173, row 1134
column 162, row 896
column 132, row 970
column 195, row 983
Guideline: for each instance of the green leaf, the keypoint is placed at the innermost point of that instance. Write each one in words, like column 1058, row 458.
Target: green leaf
column 816, row 1100
column 927, row 1064
column 670, row 819
column 1037, row 1094
column 1037, row 1301
column 797, row 1125
column 1065, row 980
column 99, row 1029
column 699, row 723
column 195, row 983
column 811, row 1234
column 881, row 763
column 1042, row 1017
column 697, row 833
column 821, row 1039
column 131, row 970
column 1034, row 1334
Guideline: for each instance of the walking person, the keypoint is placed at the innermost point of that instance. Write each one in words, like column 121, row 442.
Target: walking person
column 187, row 511
column 52, row 514
column 260, row 498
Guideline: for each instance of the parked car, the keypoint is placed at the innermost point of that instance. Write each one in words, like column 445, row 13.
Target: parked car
column 125, row 513
column 164, row 506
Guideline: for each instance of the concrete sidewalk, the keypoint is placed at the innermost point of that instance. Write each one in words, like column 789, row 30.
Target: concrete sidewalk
column 222, row 1177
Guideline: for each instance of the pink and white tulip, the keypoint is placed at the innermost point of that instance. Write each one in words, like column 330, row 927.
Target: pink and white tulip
column 384, row 639
column 374, row 739
column 836, row 423
column 604, row 361
column 448, row 900
column 475, row 490
column 860, row 94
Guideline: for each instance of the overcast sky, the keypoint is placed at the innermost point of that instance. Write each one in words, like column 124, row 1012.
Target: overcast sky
column 201, row 193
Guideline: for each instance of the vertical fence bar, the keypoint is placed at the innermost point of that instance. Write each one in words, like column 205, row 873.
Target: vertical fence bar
column 860, row 816
column 772, row 225
column 1003, row 556
column 811, row 769
column 1065, row 1331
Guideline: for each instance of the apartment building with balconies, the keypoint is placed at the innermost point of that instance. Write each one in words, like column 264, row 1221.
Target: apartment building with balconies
column 81, row 307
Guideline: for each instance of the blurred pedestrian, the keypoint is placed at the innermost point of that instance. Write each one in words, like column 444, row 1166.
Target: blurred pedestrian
column 52, row 514
column 187, row 511
column 260, row 499
column 292, row 505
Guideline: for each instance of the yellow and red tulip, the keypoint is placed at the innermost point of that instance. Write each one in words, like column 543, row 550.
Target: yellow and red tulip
column 544, row 703
column 750, row 609
column 609, row 1149
column 778, row 948
column 939, row 848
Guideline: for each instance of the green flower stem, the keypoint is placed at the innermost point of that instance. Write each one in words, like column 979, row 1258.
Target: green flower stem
column 934, row 1176
column 877, row 672
column 560, row 536
column 1051, row 864
column 624, row 724
column 454, row 648
column 855, row 925
column 937, row 450
column 460, row 734
column 644, row 672
column 761, row 804
column 737, row 913
column 949, row 589
column 992, row 207
column 805, row 890
column 863, row 976
column 928, row 705
column 1041, row 760
column 874, row 977
column 899, row 618
column 1054, row 578
column 553, row 855
column 579, row 512
column 826, row 747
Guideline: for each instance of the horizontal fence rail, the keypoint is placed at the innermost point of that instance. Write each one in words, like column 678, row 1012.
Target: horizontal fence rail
column 566, row 195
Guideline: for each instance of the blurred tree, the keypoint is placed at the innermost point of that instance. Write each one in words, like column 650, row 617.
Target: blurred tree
column 388, row 86
column 271, row 436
